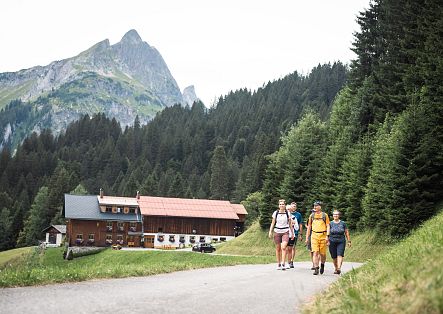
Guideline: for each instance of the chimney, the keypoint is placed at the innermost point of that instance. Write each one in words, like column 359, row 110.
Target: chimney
column 138, row 195
column 101, row 193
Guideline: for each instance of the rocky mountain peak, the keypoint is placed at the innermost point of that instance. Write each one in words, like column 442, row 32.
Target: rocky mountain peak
column 131, row 37
column 189, row 96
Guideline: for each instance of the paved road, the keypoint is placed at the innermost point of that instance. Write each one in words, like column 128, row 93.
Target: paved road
column 236, row 289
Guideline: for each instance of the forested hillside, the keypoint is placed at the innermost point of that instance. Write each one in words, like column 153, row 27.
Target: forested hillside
column 183, row 152
column 379, row 158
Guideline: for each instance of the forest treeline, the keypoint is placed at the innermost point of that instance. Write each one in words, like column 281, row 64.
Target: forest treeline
column 379, row 158
column 191, row 152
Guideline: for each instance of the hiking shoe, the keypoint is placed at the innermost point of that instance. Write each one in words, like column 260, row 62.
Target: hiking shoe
column 278, row 267
column 312, row 268
column 291, row 264
column 315, row 271
column 338, row 271
column 322, row 268
column 283, row 267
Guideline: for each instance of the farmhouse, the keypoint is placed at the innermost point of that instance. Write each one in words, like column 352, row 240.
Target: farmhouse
column 152, row 222
column 55, row 235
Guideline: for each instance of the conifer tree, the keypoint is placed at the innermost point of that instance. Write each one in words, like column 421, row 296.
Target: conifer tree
column 220, row 180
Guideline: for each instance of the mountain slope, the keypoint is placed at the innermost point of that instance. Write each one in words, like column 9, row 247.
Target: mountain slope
column 122, row 80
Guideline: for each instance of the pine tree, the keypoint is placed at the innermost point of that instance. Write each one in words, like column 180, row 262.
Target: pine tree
column 5, row 230
column 219, row 183
column 37, row 220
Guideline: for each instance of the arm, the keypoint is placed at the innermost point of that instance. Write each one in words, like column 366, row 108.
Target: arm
column 271, row 227
column 291, row 229
column 300, row 231
column 308, row 231
column 328, row 232
column 348, row 237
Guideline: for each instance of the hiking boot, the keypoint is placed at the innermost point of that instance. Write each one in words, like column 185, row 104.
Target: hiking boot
column 315, row 271
column 322, row 268
column 338, row 271
column 291, row 264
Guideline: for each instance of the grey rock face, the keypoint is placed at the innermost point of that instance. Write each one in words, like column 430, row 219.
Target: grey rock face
column 131, row 60
column 189, row 96
column 122, row 80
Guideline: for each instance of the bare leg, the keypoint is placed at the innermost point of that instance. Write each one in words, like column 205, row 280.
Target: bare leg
column 316, row 258
column 334, row 260
column 339, row 262
column 283, row 251
column 323, row 258
column 289, row 253
column 278, row 253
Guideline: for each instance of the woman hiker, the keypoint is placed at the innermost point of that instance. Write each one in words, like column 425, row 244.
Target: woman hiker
column 282, row 227
column 337, row 240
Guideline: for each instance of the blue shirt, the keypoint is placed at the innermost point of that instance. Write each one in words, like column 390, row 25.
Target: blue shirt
column 337, row 231
column 296, row 216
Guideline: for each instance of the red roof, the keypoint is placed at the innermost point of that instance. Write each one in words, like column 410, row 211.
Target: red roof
column 179, row 207
column 239, row 209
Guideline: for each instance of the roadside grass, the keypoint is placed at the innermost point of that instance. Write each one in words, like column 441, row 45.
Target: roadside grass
column 255, row 242
column 12, row 256
column 406, row 279
column 50, row 267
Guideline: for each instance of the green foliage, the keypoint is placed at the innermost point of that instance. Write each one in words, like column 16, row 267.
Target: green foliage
column 5, row 229
column 38, row 219
column 404, row 279
column 219, row 175
column 252, row 204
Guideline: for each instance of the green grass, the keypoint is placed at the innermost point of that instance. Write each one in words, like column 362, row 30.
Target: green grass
column 255, row 241
column 11, row 256
column 406, row 279
column 49, row 267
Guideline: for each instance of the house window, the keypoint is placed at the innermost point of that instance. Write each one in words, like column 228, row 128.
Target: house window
column 109, row 226
column 120, row 226
column 192, row 239
column 108, row 239
column 79, row 239
column 132, row 210
column 120, row 239
column 222, row 239
column 133, row 226
column 202, row 239
column 214, row 239
column 91, row 237
column 109, row 209
column 119, row 209
column 172, row 238
column 182, row 239
column 160, row 238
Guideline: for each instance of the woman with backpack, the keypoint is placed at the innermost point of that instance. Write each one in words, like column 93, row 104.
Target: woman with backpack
column 337, row 240
column 282, row 227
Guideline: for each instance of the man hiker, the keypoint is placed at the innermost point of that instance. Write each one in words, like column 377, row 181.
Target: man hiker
column 318, row 223
column 297, row 222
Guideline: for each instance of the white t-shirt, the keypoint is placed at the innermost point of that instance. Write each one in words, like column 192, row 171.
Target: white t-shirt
column 281, row 221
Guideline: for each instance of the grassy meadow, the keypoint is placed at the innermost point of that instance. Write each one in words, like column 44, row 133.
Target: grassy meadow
column 255, row 242
column 47, row 267
column 406, row 279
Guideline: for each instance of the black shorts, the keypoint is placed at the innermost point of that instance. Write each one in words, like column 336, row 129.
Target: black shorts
column 293, row 242
column 337, row 248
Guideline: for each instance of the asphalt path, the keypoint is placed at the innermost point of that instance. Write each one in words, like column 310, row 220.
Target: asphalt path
column 233, row 289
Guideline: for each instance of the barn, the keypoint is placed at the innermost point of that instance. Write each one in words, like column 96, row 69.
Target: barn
column 151, row 222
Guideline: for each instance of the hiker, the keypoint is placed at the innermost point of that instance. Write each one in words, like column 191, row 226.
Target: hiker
column 337, row 240
column 297, row 222
column 318, row 223
column 282, row 227
column 308, row 244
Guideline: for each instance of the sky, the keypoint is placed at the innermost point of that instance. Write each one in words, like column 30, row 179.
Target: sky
column 217, row 46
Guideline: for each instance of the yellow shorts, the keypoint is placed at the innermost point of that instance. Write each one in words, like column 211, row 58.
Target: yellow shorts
column 318, row 242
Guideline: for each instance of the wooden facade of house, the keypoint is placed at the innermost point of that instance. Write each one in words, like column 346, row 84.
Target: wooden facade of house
column 149, row 221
